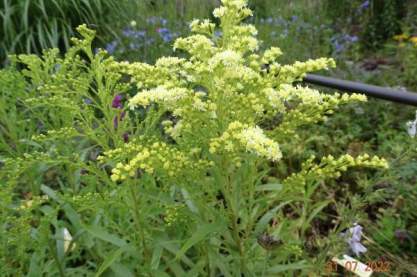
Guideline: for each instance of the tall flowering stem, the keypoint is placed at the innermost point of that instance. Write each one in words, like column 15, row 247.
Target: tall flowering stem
column 219, row 134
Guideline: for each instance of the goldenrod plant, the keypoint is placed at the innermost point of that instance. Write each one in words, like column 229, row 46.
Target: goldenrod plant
column 192, row 176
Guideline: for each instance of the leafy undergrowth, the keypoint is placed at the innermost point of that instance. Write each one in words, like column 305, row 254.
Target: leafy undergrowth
column 208, row 164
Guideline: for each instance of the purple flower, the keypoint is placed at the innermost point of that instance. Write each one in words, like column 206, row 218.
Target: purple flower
column 364, row 5
column 342, row 42
column 128, row 32
column 88, row 101
column 349, row 38
column 126, row 137
column 116, row 119
column 354, row 240
column 115, row 122
column 117, row 102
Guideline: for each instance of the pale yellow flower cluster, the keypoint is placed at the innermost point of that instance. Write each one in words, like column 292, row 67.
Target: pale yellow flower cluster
column 127, row 149
column 235, row 10
column 255, row 141
column 329, row 167
column 313, row 107
column 197, row 45
column 202, row 26
column 159, row 155
column 252, row 139
column 156, row 95
column 173, row 214
column 150, row 156
column 270, row 55
column 62, row 133
column 241, row 38
column 219, row 96
column 35, row 201
column 226, row 58
column 290, row 73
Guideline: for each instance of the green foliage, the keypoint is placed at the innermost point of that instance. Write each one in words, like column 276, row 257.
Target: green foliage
column 406, row 49
column 14, row 124
column 208, row 173
column 29, row 26
column 201, row 187
column 383, row 22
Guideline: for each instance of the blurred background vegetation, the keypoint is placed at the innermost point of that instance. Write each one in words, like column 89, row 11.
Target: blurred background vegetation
column 372, row 41
column 304, row 28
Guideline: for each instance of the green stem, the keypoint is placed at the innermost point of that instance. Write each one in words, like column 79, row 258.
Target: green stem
column 227, row 191
column 138, row 221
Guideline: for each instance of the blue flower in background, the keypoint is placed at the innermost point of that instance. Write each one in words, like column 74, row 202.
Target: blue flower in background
column 338, row 47
column 111, row 47
column 342, row 42
column 165, row 34
column 349, row 38
column 131, row 33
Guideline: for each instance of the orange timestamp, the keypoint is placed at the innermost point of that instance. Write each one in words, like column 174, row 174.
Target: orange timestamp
column 378, row 266
column 370, row 266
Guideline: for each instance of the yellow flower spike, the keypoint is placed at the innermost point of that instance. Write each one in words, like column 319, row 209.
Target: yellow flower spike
column 218, row 98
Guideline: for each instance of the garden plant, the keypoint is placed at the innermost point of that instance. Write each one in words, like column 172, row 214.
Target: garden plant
column 196, row 165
